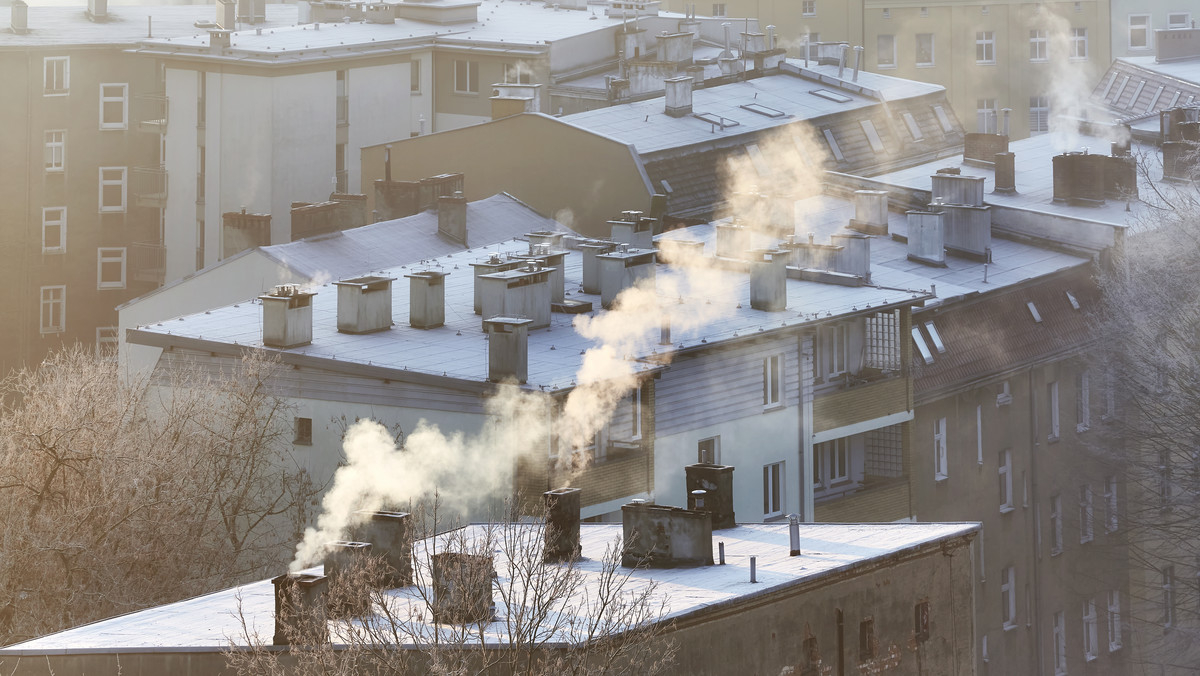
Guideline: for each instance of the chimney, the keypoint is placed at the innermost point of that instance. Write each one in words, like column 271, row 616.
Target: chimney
column 622, row 269
column 768, row 279
column 633, row 229
column 20, row 17
column 513, row 99
column 664, row 329
column 794, row 534
column 717, row 483
column 678, row 96
column 300, row 609
column 226, row 14
column 1006, row 174
column 390, row 535
column 842, row 61
column 462, row 588
column 219, row 38
column 97, row 10
column 508, row 348
column 346, row 598
column 926, row 238
column 562, row 525
column 521, row 292
column 493, row 263
column 364, row 304
column 1176, row 44
column 591, row 265
column 427, row 299
column 854, row 258
column 552, row 239
column 1079, row 178
column 287, row 317
column 958, row 189
column 733, row 240
column 554, row 261
column 657, row 536
column 452, row 217
column 870, row 212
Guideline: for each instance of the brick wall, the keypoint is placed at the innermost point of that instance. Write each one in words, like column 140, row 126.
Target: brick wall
column 887, row 501
column 864, row 402
column 983, row 147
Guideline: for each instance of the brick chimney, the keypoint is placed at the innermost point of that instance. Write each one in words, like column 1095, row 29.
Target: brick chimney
column 679, row 96
column 452, row 217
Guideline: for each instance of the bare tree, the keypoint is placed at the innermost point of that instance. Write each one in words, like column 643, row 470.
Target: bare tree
column 115, row 497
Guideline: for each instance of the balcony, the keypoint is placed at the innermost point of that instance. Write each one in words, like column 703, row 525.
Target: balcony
column 862, row 400
column 150, row 111
column 150, row 187
column 148, row 262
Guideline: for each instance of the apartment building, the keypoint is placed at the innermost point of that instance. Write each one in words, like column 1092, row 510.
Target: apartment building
column 1135, row 24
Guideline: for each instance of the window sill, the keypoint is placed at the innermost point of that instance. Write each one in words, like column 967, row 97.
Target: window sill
column 114, row 127
column 939, row 478
column 985, row 63
column 773, row 518
column 1078, row 59
column 1009, row 626
column 1052, row 439
column 55, row 93
column 1039, row 61
column 1081, row 428
column 1056, row 552
column 1114, row 647
column 1090, row 658
column 1005, row 509
column 302, row 443
column 1083, row 541
column 54, row 252
column 885, row 66
column 926, row 65
column 769, row 408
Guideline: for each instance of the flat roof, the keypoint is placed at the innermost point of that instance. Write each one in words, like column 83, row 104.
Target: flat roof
column 210, row 622
column 124, row 25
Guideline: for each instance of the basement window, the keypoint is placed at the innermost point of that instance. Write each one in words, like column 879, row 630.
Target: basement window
column 1037, row 316
column 868, row 128
column 763, row 110
column 919, row 341
column 935, row 337
column 831, row 96
column 1071, row 298
column 833, row 145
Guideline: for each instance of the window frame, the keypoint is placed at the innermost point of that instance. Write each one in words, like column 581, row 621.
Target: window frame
column 1114, row 620
column 720, row 9
column 1111, row 518
column 1056, row 525
column 635, row 411
column 47, row 76
column 56, row 306
column 1060, row 643
column 1090, row 651
column 1078, row 39
column 54, row 153
column 61, row 224
column 110, row 255
column 1083, row 403
column 414, row 76
column 985, row 48
column 1004, row 472
column 470, row 65
column 123, row 183
column 879, row 52
column 107, row 339
column 123, row 99
column 1039, row 106
column 828, row 458
column 1168, row 598
column 1086, row 514
column 301, row 425
column 808, row 8
column 1008, row 597
column 1186, row 23
column 773, row 381
column 1145, row 29
column 773, row 490
column 1039, row 45
column 932, row 62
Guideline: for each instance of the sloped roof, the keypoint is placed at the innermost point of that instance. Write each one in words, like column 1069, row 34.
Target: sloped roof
column 1138, row 86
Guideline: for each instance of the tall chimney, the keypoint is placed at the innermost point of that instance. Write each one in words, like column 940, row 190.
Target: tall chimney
column 870, row 212
column 1006, row 174
column 768, row 280
column 623, row 269
column 20, row 17
column 591, row 265
column 842, row 60
column 391, row 538
column 226, row 14
column 287, row 317
column 300, row 609
column 493, row 263
column 427, row 299
column 342, row 560
column 452, row 217
column 508, row 348
column 926, row 238
column 562, row 525
column 364, row 304
column 858, row 51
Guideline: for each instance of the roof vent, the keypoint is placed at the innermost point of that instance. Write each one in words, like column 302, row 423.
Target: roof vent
column 562, row 525
column 219, row 38
column 364, row 304
column 665, row 537
column 508, row 348
column 287, row 317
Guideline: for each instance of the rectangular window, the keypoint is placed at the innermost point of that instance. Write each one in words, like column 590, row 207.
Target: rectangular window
column 1039, row 114
column 718, row 9
column 1168, row 596
column 1139, row 31
column 114, row 106
column 1039, row 45
column 1110, row 504
column 1083, row 409
column 885, row 52
column 1060, row 644
column 56, row 78
column 985, row 115
column 914, row 129
column 1179, row 20
column 985, row 47
column 635, row 414
column 941, row 469
column 1079, row 44
column 54, row 229
column 709, row 450
column 466, row 77
column 866, row 640
column 919, row 342
column 773, row 490
column 1056, row 527
column 1004, row 470
column 831, row 463
column 925, row 50
column 414, row 76
column 772, row 380
column 873, row 139
column 833, row 145
column 110, row 268
column 1114, row 620
column 1052, row 398
column 809, row 7
column 1089, row 629
column 1008, row 597
column 106, row 342
column 112, row 189
column 943, row 119
column 53, row 309
column 303, row 432
column 1085, row 513
column 55, row 155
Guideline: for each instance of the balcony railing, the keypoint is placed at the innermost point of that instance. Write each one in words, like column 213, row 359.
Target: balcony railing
column 150, row 186
column 151, row 112
column 148, row 261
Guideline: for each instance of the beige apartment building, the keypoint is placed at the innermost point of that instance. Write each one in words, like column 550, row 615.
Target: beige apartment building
column 1035, row 58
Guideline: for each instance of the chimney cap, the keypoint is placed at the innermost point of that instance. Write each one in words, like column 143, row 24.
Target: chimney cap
column 368, row 283
column 426, row 274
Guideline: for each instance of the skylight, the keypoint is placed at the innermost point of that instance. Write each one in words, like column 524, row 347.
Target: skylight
column 1037, row 317
column 935, row 337
column 943, row 119
column 763, row 110
column 919, row 341
column 712, row 118
column 833, row 145
column 1074, row 302
column 868, row 128
column 756, row 157
column 913, row 127
column 831, row 96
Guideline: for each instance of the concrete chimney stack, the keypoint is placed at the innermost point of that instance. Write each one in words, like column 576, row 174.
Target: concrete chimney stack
column 20, row 17
column 768, row 279
column 364, row 304
column 508, row 348
column 493, row 263
column 452, row 217
column 520, row 292
column 870, row 212
column 342, row 560
column 623, row 269
column 300, row 609
column 562, row 525
column 427, row 299
column 926, row 238
column 227, row 14
column 678, row 96
column 287, row 317
column 391, row 538
column 591, row 264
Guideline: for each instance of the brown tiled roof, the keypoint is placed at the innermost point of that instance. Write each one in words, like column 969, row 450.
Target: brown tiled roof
column 997, row 333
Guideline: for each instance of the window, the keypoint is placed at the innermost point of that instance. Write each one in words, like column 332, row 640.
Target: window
column 833, row 145
column 985, row 47
column 414, row 76
column 935, row 337
column 1114, row 620
column 110, row 268
column 809, row 7
column 466, row 77
column 1110, row 394
column 1139, row 31
column 773, row 490
column 985, row 116
column 56, row 150
column 1089, row 629
column 1168, row 596
column 303, row 432
column 914, row 129
column 515, row 73
column 54, row 309
column 940, row 468
column 106, row 342
column 887, row 13
column 873, row 139
column 1052, row 398
column 834, row 346
column 943, row 119
column 1060, row 643
column 1079, row 44
column 56, row 78
column 112, row 189
column 982, row 561
column 924, row 49
column 772, row 380
column 921, row 621
column 1004, row 398
column 924, row 11
column 1179, row 20
column 1033, row 312
column 1039, row 114
column 1008, row 597
column 1085, row 513
column 1038, row 43
column 885, row 52
column 718, row 9
column 984, row 9
column 919, row 341
column 1110, row 504
column 866, row 640
column 709, row 450
column 1004, row 471
column 831, row 463
column 1056, row 528
column 1083, row 414
column 635, row 414
column 114, row 106
column 54, row 229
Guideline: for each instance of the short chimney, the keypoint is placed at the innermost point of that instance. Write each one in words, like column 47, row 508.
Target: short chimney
column 20, row 17
column 958, row 189
column 1006, row 174
column 493, row 263
column 768, row 279
column 287, row 317
column 521, row 292
column 926, row 237
column 226, row 14
column 348, row 597
column 97, row 10
column 657, row 536
column 551, row 260
column 678, row 96
column 634, row 229
column 427, row 299
column 717, row 483
column 300, row 609
column 452, row 217
column 220, row 38
column 854, row 258
column 462, row 588
column 364, row 304
column 562, row 525
column 591, row 265
column 870, row 212
column 508, row 348
column 513, row 99
column 552, row 239
column 391, row 538
column 733, row 240
column 623, row 269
